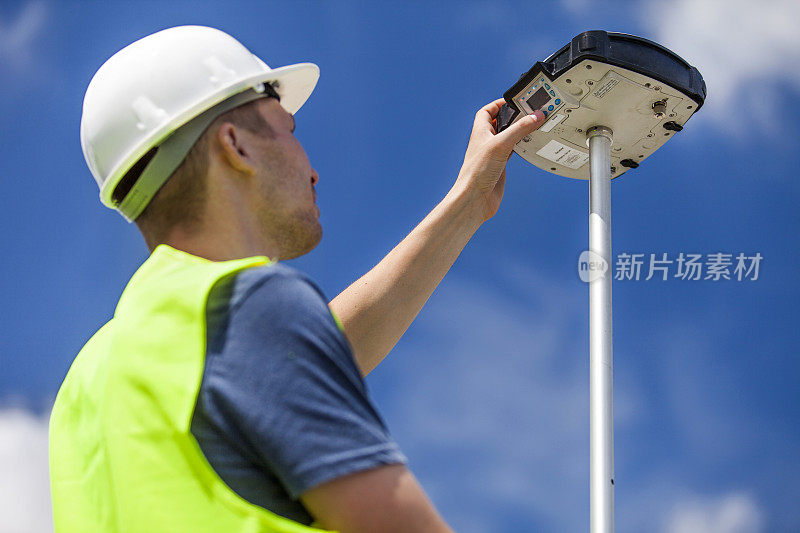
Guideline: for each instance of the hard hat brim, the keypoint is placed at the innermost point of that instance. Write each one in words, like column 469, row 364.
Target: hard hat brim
column 293, row 83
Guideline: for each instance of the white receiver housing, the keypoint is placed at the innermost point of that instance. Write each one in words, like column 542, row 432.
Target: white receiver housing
column 635, row 107
column 638, row 89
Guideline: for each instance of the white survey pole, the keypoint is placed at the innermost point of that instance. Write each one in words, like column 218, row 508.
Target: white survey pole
column 601, row 418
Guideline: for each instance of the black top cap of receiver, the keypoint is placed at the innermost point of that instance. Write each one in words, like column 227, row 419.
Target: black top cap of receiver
column 622, row 50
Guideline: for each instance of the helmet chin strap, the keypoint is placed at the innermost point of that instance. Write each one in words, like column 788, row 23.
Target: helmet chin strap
column 173, row 150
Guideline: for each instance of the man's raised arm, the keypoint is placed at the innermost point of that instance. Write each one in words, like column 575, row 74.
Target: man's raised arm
column 379, row 307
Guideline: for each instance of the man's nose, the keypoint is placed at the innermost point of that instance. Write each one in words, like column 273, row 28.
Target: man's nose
column 314, row 177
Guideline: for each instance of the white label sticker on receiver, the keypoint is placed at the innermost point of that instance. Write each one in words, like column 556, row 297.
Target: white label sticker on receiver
column 552, row 123
column 563, row 155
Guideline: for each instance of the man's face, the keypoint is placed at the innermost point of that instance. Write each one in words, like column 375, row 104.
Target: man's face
column 287, row 199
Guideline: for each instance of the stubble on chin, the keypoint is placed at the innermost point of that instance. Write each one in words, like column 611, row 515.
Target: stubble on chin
column 298, row 236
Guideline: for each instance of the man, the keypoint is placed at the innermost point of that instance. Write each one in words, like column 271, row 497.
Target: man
column 226, row 394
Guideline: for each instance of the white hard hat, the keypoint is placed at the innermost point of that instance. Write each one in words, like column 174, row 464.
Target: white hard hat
column 145, row 92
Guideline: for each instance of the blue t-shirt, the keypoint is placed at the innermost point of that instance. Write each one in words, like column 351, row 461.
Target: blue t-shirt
column 282, row 406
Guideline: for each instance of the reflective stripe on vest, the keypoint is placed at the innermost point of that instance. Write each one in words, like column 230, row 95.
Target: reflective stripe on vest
column 122, row 456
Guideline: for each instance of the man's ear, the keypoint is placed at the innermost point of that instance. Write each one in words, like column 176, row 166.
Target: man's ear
column 235, row 150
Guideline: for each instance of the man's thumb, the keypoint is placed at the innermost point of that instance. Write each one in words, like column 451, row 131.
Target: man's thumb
column 519, row 129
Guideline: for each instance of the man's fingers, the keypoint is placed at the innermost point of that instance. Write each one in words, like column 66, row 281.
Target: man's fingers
column 514, row 133
column 492, row 108
column 487, row 113
column 504, row 142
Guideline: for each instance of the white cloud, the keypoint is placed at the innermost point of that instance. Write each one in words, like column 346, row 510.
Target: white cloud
column 748, row 53
column 705, row 408
column 24, row 482
column 732, row 513
column 17, row 37
column 494, row 417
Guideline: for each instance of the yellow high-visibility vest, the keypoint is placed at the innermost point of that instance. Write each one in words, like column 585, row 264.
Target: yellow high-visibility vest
column 122, row 456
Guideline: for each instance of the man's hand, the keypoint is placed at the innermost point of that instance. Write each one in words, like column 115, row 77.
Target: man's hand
column 483, row 174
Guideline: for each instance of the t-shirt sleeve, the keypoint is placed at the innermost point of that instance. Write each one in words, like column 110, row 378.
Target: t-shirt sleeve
column 289, row 389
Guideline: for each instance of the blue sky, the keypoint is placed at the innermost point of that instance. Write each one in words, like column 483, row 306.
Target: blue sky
column 488, row 391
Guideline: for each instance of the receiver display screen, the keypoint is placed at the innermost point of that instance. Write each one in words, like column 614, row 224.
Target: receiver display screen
column 538, row 99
